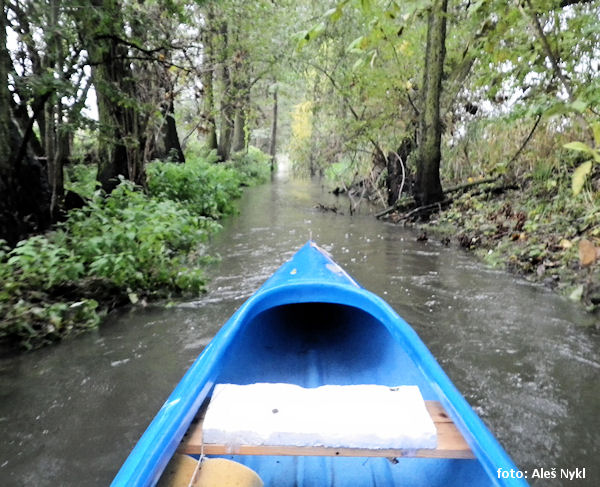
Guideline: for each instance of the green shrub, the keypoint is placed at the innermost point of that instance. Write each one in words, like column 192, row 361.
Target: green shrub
column 81, row 179
column 254, row 165
column 128, row 243
column 40, row 263
column 204, row 188
column 138, row 241
column 124, row 246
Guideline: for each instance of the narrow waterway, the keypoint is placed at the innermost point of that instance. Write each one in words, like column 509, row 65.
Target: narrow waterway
column 526, row 359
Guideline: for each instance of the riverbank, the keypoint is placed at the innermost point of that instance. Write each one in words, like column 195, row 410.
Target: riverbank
column 132, row 246
column 539, row 231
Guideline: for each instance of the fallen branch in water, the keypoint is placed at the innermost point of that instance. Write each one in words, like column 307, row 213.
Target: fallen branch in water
column 332, row 209
column 406, row 202
column 400, row 203
column 425, row 208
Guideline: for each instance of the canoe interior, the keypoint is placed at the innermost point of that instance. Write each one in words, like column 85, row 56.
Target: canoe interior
column 313, row 344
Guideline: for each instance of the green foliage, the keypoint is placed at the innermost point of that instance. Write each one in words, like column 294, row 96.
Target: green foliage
column 254, row 166
column 33, row 323
column 302, row 132
column 84, row 146
column 347, row 172
column 29, row 272
column 81, row 179
column 138, row 242
column 181, row 182
column 39, row 262
column 221, row 183
column 129, row 245
column 581, row 174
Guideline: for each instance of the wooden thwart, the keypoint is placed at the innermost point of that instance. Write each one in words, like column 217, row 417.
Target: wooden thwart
column 451, row 443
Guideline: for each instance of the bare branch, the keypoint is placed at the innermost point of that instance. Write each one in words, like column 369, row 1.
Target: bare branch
column 526, row 141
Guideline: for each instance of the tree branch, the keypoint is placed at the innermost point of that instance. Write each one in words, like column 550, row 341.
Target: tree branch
column 37, row 106
column 125, row 42
column 566, row 3
column 350, row 107
column 546, row 45
column 526, row 141
column 417, row 113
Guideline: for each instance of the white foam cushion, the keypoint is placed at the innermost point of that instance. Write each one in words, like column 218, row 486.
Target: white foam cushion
column 354, row 416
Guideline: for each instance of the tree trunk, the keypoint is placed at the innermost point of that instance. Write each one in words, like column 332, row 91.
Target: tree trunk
column 428, row 188
column 208, row 81
column 121, row 134
column 7, row 223
column 241, row 94
column 170, row 137
column 227, row 115
column 273, row 143
column 22, row 118
column 211, row 138
column 165, row 144
column 53, row 114
column 24, row 205
column 238, row 142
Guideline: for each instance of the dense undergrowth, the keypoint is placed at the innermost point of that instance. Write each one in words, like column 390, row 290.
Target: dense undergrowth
column 129, row 246
column 540, row 229
column 530, row 235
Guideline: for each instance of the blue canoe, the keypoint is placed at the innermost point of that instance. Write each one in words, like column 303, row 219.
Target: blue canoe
column 311, row 324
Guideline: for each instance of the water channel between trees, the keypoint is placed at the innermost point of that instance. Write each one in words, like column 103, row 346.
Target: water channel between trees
column 527, row 360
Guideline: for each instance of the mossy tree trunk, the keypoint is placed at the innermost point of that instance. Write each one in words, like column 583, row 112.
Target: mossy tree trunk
column 227, row 102
column 122, row 136
column 164, row 144
column 241, row 93
column 240, row 121
column 428, row 188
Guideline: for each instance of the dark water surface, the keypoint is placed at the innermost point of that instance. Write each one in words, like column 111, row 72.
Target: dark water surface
column 527, row 360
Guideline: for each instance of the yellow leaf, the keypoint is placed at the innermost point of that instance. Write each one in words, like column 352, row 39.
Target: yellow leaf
column 566, row 244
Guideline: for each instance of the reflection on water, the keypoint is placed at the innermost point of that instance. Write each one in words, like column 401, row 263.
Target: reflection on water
column 522, row 356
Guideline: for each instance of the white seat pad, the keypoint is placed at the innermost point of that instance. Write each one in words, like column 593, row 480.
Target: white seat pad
column 353, row 416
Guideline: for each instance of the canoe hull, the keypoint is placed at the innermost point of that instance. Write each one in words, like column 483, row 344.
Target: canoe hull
column 311, row 324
